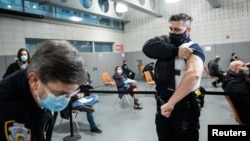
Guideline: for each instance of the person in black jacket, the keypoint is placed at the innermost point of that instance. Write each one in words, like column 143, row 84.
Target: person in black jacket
column 22, row 62
column 234, row 57
column 177, row 74
column 150, row 67
column 127, row 71
column 30, row 97
column 238, row 88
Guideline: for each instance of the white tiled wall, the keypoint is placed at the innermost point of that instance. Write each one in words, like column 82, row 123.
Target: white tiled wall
column 210, row 25
column 14, row 31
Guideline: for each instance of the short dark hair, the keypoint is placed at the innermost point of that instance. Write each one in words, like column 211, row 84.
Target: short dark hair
column 181, row 17
column 58, row 60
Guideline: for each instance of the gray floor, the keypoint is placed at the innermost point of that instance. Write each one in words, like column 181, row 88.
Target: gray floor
column 122, row 123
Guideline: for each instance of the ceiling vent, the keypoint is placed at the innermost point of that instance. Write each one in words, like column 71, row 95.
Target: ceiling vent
column 214, row 3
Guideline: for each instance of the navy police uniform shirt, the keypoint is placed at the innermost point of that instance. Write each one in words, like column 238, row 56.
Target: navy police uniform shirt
column 20, row 116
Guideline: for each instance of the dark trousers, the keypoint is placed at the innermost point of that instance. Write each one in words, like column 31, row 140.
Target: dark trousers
column 183, row 124
column 132, row 76
column 220, row 76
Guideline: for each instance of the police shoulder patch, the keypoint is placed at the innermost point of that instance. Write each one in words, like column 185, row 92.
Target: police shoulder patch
column 16, row 131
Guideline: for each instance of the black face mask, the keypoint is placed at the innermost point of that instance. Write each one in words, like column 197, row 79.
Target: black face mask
column 178, row 39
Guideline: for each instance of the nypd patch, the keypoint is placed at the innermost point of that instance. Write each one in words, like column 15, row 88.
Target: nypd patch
column 15, row 131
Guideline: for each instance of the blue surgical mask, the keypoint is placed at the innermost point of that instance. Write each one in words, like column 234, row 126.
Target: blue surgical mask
column 24, row 58
column 53, row 103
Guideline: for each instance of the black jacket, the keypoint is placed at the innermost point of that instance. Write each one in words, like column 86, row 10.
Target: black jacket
column 126, row 70
column 164, row 51
column 11, row 68
column 213, row 67
column 239, row 93
column 148, row 67
column 19, row 111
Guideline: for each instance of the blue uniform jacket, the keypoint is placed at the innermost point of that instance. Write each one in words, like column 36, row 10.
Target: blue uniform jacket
column 20, row 116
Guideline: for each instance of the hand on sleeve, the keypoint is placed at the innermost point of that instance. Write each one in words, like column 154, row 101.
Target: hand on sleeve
column 185, row 52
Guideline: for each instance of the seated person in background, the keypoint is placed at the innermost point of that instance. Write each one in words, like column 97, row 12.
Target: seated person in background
column 122, row 85
column 79, row 102
column 83, row 101
column 89, row 81
column 22, row 61
column 239, row 89
column 150, row 67
column 234, row 57
column 213, row 68
column 86, row 87
column 130, row 74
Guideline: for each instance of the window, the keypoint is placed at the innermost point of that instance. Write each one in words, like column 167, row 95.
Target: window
column 65, row 14
column 103, row 47
column 82, row 46
column 11, row 5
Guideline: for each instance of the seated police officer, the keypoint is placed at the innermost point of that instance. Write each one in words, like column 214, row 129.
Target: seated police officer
column 29, row 97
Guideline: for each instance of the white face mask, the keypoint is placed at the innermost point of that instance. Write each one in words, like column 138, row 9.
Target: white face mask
column 24, row 58
column 119, row 71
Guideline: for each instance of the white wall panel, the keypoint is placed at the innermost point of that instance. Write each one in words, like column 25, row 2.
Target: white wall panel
column 210, row 25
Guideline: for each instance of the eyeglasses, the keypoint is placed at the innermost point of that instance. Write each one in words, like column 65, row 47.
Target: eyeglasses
column 48, row 90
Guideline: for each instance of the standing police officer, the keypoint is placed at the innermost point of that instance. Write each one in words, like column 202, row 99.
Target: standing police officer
column 178, row 72
column 29, row 97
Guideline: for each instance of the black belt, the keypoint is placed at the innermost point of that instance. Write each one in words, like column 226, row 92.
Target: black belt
column 197, row 92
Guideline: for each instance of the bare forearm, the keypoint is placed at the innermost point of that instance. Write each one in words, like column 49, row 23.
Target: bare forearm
column 189, row 80
column 186, row 86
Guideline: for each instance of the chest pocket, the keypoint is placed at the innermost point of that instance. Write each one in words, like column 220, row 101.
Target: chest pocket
column 164, row 71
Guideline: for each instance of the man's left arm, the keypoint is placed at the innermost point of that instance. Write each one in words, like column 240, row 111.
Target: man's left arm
column 190, row 79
